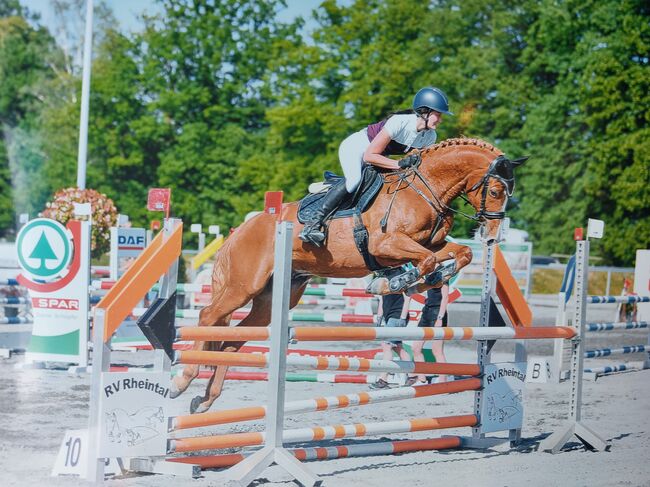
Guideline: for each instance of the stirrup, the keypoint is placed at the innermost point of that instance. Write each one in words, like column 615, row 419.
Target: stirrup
column 312, row 234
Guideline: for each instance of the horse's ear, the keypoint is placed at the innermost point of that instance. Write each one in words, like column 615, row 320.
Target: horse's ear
column 519, row 161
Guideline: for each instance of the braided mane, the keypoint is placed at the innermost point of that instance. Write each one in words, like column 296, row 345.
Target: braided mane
column 462, row 141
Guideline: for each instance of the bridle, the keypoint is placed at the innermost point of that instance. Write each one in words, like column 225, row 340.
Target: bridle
column 501, row 170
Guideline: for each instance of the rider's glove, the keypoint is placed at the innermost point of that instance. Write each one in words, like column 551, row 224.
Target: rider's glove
column 408, row 161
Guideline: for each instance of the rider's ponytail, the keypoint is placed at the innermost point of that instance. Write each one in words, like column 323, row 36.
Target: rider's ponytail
column 407, row 111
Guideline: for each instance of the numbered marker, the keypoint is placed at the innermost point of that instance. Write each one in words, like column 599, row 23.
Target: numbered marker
column 73, row 456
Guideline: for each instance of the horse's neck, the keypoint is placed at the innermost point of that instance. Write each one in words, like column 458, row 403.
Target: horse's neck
column 448, row 172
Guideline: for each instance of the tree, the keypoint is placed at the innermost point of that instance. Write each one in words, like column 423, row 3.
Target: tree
column 24, row 67
column 204, row 70
column 587, row 67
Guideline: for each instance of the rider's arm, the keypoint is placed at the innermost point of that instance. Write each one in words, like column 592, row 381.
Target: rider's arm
column 373, row 152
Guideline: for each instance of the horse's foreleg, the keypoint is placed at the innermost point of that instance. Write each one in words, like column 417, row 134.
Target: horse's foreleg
column 400, row 248
column 461, row 254
column 260, row 315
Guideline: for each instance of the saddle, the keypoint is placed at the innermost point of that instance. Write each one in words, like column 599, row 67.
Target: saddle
column 354, row 206
column 356, row 203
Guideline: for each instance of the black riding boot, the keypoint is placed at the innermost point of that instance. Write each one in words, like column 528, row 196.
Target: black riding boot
column 313, row 231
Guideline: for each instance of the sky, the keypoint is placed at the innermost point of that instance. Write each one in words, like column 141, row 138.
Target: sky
column 128, row 11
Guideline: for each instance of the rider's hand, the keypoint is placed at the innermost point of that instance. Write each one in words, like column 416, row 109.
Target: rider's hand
column 408, row 161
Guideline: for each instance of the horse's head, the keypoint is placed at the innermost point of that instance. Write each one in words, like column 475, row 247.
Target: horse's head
column 488, row 192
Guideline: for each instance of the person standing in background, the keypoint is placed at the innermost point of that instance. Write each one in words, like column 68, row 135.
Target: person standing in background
column 393, row 312
column 434, row 313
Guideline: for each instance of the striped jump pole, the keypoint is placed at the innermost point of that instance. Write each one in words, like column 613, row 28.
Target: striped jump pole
column 105, row 285
column 14, row 301
column 321, row 317
column 261, row 360
column 430, row 333
column 343, row 333
column 233, row 440
column 332, row 290
column 9, row 282
column 332, row 452
column 324, row 404
column 605, row 352
column 324, row 378
column 320, row 290
column 321, row 302
column 362, row 353
column 16, row 320
column 618, row 299
column 610, row 369
column 624, row 325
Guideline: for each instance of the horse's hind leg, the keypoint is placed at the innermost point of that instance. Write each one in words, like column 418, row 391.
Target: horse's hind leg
column 260, row 315
column 224, row 301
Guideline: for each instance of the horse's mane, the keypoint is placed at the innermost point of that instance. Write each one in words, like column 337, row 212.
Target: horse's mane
column 462, row 141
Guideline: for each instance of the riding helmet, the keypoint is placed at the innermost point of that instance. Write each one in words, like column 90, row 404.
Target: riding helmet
column 432, row 98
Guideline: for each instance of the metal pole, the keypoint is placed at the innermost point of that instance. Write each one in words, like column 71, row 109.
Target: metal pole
column 273, row 452
column 483, row 349
column 85, row 95
column 575, row 427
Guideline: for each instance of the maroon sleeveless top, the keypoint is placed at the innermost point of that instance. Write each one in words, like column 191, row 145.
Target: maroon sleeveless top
column 393, row 148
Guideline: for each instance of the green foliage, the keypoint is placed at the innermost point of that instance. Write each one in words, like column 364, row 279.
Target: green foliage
column 221, row 101
column 6, row 203
column 26, row 56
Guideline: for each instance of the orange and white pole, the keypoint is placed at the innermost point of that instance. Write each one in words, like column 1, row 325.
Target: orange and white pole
column 323, row 404
column 321, row 433
column 261, row 360
column 332, row 452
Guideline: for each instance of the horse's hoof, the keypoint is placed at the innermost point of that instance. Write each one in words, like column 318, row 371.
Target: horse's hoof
column 174, row 390
column 378, row 285
column 442, row 274
column 416, row 289
column 195, row 405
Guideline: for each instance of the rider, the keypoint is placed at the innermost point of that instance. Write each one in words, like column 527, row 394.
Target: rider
column 394, row 136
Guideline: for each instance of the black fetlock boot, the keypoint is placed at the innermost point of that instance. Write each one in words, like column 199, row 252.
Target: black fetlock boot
column 313, row 231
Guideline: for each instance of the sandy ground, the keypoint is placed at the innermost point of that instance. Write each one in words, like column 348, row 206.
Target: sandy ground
column 37, row 406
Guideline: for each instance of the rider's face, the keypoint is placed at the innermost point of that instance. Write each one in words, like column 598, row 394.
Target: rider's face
column 429, row 121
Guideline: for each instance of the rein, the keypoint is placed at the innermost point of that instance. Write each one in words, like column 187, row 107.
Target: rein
column 409, row 175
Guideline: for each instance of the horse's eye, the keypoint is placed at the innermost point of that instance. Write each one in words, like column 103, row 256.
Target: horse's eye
column 494, row 193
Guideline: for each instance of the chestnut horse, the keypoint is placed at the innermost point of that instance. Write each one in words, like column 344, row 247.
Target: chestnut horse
column 417, row 201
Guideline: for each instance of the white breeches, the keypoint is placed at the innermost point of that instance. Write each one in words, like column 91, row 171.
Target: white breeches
column 351, row 156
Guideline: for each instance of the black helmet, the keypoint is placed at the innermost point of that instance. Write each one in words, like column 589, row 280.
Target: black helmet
column 433, row 99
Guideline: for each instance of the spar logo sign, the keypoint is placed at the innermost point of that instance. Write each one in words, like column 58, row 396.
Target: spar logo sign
column 44, row 249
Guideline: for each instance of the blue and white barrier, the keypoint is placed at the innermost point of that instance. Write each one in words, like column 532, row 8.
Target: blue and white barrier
column 617, row 299
column 625, row 325
column 605, row 352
